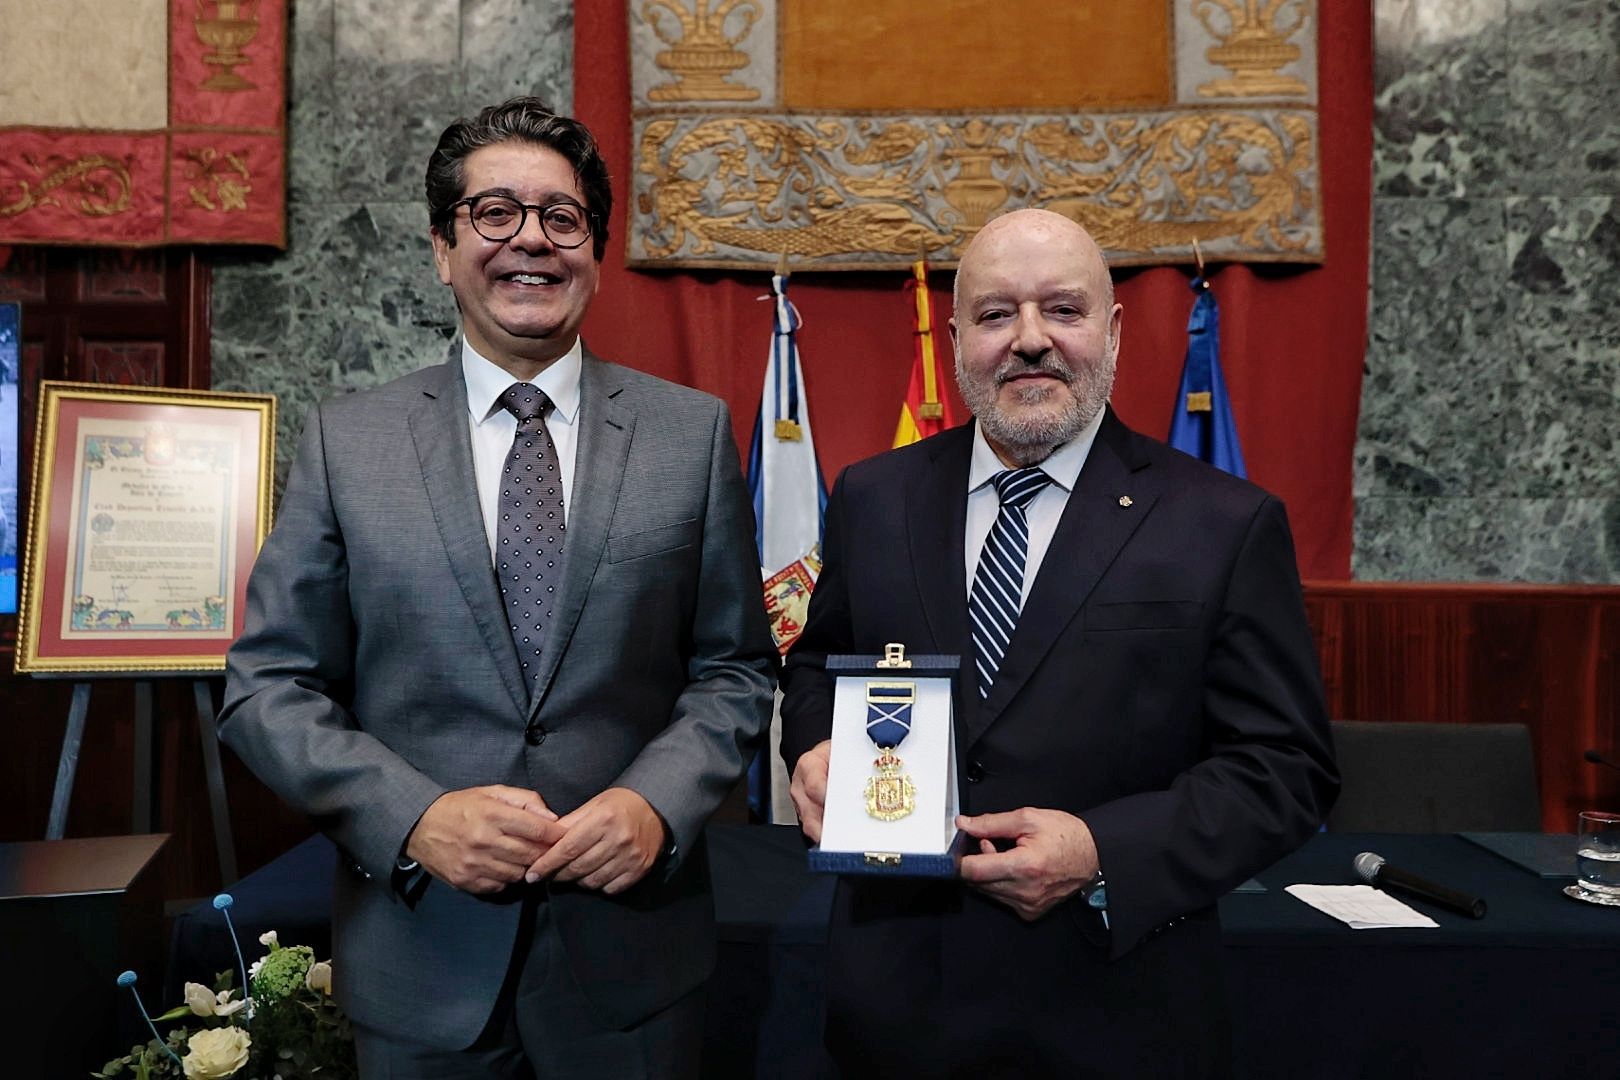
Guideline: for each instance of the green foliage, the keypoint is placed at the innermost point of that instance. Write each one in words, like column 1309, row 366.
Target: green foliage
column 149, row 1061
column 282, row 973
column 297, row 1033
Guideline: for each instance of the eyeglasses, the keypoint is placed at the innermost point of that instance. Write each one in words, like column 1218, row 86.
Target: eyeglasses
column 499, row 218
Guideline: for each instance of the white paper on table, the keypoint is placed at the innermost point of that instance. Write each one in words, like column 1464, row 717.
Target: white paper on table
column 1361, row 907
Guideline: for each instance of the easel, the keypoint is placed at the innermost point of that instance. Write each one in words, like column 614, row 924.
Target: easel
column 141, row 812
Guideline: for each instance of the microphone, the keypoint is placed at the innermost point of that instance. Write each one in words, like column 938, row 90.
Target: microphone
column 1380, row 875
column 1598, row 759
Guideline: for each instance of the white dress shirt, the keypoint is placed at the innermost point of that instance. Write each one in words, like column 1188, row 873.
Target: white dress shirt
column 1043, row 512
column 492, row 427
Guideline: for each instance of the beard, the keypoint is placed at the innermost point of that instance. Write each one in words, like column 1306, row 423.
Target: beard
column 1045, row 417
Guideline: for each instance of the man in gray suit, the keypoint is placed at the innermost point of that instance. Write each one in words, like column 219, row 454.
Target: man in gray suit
column 505, row 646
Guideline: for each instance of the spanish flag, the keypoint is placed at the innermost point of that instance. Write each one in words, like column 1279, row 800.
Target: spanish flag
column 926, row 411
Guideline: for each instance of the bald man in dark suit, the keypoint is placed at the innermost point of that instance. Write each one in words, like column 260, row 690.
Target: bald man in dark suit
column 1140, row 723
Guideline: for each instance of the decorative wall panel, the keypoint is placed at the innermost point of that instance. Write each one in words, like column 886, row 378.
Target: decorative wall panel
column 123, row 275
column 205, row 165
column 22, row 274
column 124, row 363
column 839, row 132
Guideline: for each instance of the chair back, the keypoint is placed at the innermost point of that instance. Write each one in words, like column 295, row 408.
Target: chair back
column 1423, row 778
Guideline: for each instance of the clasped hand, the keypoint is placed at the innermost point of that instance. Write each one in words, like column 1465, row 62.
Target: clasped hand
column 1051, row 855
column 481, row 840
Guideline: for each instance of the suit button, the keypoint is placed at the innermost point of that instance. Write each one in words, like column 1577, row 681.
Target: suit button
column 975, row 772
column 535, row 735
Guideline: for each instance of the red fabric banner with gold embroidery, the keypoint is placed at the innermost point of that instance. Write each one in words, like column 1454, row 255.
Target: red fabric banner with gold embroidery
column 213, row 171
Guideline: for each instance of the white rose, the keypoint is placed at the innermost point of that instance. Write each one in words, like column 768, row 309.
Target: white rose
column 216, row 1053
column 319, row 976
column 268, row 939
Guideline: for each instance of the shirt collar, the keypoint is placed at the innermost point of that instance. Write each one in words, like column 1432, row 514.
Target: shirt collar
column 487, row 381
column 1062, row 465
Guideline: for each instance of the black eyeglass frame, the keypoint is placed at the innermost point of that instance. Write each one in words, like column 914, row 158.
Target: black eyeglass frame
column 523, row 218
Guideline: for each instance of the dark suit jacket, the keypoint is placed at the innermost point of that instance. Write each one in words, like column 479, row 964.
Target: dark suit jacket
column 1161, row 684
column 377, row 672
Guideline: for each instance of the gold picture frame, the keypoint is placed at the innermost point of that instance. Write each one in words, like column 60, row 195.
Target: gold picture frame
column 147, row 510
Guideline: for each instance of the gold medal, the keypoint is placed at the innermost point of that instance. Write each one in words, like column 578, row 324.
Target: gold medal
column 890, row 795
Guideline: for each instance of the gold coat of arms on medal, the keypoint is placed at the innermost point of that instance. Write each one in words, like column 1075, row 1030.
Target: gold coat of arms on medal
column 890, row 795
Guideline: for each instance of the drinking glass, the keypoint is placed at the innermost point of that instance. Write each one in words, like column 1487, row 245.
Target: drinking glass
column 1597, row 854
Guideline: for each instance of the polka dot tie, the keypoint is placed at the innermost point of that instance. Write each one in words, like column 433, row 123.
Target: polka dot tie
column 529, row 547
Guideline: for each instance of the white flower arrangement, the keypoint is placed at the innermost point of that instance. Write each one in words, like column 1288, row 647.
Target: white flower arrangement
column 283, row 1025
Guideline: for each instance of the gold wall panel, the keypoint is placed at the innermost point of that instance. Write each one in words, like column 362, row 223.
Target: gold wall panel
column 838, row 132
column 901, row 55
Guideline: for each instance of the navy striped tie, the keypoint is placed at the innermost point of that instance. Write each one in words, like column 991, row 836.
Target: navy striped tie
column 998, row 583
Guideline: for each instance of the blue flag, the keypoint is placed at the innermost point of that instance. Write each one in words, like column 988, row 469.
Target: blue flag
column 1203, row 425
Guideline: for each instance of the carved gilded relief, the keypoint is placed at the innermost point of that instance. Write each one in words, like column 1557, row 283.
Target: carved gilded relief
column 101, row 183
column 1253, row 45
column 702, row 54
column 751, row 176
column 738, row 190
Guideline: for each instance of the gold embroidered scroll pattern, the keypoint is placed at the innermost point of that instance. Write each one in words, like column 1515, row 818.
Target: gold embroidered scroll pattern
column 233, row 24
column 789, row 196
column 858, row 187
column 1254, row 46
column 1202, row 175
column 221, row 180
column 103, row 184
column 703, row 56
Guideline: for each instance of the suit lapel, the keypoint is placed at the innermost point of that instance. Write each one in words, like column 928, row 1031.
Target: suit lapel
column 1091, row 532
column 443, row 447
column 605, row 428
column 936, row 519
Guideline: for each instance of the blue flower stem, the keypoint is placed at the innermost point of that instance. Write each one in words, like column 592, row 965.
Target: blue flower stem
column 223, row 903
column 127, row 979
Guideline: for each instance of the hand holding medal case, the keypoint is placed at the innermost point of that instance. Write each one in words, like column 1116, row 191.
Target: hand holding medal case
column 891, row 785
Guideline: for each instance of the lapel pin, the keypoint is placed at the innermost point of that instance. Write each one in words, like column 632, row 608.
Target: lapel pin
column 1124, row 500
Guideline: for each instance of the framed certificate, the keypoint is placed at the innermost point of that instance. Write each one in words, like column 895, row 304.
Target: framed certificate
column 148, row 508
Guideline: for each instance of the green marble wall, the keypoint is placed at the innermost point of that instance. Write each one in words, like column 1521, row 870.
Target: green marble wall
column 1487, row 443
column 354, row 301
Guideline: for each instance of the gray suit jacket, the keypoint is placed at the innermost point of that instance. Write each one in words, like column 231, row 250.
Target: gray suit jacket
column 376, row 672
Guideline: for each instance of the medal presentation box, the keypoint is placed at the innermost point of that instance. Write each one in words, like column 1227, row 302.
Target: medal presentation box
column 891, row 785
